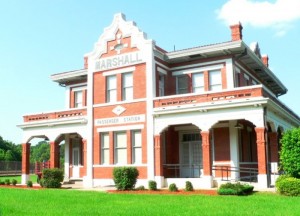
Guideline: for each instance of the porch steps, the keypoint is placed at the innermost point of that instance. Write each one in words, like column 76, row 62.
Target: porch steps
column 73, row 183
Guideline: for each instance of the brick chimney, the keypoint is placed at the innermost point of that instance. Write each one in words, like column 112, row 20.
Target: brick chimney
column 265, row 60
column 236, row 32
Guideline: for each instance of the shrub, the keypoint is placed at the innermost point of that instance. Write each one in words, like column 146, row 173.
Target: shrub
column 140, row 188
column 14, row 182
column 188, row 186
column 152, row 185
column 288, row 186
column 125, row 177
column 29, row 183
column 7, row 181
column 173, row 187
column 290, row 151
column 2, row 183
column 235, row 189
column 52, row 178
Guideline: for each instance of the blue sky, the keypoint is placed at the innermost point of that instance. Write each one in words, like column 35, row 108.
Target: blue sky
column 40, row 38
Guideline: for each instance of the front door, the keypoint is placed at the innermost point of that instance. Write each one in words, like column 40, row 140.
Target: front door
column 190, row 155
column 76, row 158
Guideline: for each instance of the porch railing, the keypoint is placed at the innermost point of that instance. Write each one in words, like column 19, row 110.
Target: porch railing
column 175, row 170
column 245, row 173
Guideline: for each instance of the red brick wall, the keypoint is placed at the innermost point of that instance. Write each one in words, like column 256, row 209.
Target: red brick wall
column 106, row 172
column 139, row 85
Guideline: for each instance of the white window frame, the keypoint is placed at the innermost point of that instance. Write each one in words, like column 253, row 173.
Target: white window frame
column 104, row 148
column 198, row 87
column 215, row 86
column 118, row 148
column 136, row 147
column 126, row 87
column 110, row 89
column 78, row 100
column 161, row 85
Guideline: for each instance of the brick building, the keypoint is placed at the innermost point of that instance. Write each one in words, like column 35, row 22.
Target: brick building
column 182, row 115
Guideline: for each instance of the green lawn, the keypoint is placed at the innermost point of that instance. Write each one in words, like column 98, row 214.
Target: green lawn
column 71, row 202
column 18, row 178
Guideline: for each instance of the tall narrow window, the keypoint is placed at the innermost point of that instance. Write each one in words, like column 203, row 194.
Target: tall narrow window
column 111, row 91
column 198, row 83
column 182, row 84
column 120, row 147
column 127, row 93
column 136, row 147
column 161, row 85
column 104, row 148
column 215, row 80
column 78, row 99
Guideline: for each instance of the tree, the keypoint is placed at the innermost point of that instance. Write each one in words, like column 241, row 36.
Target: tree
column 9, row 156
column 290, row 152
column 40, row 152
column 10, row 151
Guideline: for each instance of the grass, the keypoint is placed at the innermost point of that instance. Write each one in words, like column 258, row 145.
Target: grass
column 71, row 202
column 33, row 178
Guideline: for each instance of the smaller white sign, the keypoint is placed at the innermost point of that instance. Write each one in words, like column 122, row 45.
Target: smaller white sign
column 120, row 120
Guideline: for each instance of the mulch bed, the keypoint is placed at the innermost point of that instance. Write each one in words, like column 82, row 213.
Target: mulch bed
column 21, row 187
column 162, row 192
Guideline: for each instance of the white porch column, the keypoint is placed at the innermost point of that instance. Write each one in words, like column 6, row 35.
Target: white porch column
column 67, row 158
column 234, row 148
column 158, row 168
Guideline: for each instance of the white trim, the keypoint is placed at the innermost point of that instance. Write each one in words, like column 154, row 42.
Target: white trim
column 118, row 165
column 68, row 74
column 221, row 163
column 80, row 88
column 161, row 65
column 119, row 71
column 237, row 69
column 199, row 64
column 120, row 102
column 121, row 128
column 54, row 122
column 246, row 76
column 196, row 70
column 67, row 100
column 229, row 74
column 163, row 71
column 78, row 84
column 55, row 111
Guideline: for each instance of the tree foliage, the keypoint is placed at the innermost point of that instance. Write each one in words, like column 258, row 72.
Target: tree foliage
column 40, row 152
column 10, row 151
column 290, row 152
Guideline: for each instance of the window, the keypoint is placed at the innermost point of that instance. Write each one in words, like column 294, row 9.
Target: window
column 182, row 84
column 215, row 80
column 120, row 148
column 161, row 85
column 111, row 94
column 104, row 148
column 247, row 80
column 198, row 83
column 78, row 99
column 127, row 86
column 136, row 147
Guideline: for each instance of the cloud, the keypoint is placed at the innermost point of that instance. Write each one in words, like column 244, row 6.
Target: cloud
column 278, row 15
